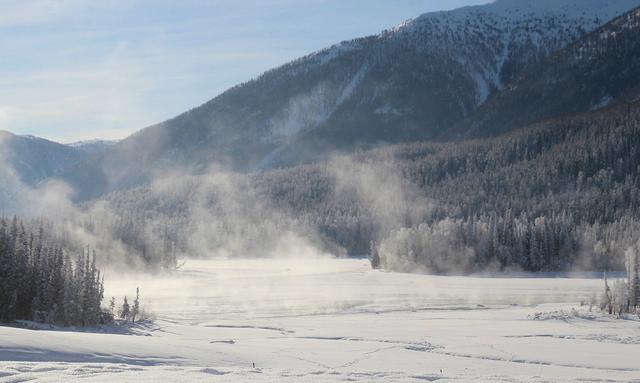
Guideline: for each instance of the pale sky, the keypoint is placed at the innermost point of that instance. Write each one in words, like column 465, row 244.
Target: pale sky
column 81, row 69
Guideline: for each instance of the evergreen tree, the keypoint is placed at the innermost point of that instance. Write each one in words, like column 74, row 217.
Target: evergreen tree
column 125, row 311
column 135, row 309
column 112, row 306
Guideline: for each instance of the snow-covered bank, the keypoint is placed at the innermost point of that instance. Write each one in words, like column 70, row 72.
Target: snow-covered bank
column 336, row 320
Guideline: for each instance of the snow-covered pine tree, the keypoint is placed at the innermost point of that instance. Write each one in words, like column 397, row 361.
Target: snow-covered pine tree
column 633, row 280
column 135, row 309
column 125, row 311
column 112, row 306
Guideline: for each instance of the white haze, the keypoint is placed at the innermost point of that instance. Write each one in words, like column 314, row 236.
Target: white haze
column 216, row 201
column 266, row 288
column 220, row 214
column 204, row 205
column 381, row 187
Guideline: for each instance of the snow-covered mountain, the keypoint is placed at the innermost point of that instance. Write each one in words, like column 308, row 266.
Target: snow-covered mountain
column 412, row 82
column 601, row 69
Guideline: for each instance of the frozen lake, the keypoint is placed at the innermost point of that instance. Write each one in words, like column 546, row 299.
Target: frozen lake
column 325, row 319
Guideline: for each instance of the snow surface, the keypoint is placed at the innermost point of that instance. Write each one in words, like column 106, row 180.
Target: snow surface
column 326, row 319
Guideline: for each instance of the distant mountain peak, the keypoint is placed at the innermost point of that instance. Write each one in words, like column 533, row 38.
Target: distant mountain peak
column 93, row 146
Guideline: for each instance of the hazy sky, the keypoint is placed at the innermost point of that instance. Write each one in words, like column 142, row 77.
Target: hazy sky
column 80, row 69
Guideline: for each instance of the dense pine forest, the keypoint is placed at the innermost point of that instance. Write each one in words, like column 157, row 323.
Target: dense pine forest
column 40, row 281
column 559, row 195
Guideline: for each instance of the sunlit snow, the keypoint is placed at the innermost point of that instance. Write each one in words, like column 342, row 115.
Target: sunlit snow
column 325, row 319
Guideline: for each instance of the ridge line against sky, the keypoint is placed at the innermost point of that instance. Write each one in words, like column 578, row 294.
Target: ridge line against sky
column 80, row 69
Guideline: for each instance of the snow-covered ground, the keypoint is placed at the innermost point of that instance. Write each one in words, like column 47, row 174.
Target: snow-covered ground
column 337, row 320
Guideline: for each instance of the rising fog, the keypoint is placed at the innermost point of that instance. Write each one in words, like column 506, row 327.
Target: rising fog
column 215, row 214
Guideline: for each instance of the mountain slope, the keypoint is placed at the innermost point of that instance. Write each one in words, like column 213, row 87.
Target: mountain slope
column 34, row 159
column 600, row 69
column 25, row 161
column 409, row 83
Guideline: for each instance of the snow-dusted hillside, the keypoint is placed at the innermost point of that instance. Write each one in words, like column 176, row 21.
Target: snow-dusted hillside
column 598, row 70
column 410, row 83
column 325, row 320
column 494, row 42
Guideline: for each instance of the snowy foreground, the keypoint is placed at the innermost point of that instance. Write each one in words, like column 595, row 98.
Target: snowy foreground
column 337, row 320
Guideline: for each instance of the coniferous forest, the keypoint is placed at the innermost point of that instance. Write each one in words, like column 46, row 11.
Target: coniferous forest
column 40, row 281
column 559, row 195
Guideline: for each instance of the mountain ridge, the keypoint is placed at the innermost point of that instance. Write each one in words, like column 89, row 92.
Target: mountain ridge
column 408, row 83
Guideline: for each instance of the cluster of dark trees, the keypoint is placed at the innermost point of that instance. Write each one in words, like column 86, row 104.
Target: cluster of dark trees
column 39, row 280
column 126, row 312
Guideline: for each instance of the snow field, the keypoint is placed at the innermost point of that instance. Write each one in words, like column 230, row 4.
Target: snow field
column 326, row 319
